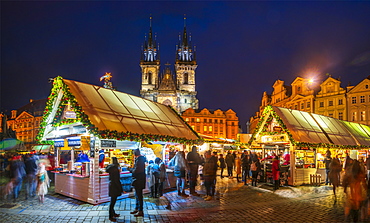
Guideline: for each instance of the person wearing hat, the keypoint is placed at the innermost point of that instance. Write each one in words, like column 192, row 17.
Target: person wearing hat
column 138, row 181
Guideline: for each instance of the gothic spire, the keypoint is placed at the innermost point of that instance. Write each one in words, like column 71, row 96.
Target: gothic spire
column 184, row 50
column 149, row 49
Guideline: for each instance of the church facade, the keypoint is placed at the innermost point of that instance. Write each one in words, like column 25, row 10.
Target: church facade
column 174, row 86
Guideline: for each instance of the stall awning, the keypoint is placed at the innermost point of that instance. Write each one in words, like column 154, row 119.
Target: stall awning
column 42, row 148
column 312, row 128
column 117, row 112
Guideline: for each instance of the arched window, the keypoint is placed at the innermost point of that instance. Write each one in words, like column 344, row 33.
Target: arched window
column 186, row 78
column 150, row 78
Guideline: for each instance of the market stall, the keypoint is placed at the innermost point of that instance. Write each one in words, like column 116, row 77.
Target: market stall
column 306, row 137
column 87, row 124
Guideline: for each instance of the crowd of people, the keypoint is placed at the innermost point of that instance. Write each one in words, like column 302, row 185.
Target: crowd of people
column 28, row 171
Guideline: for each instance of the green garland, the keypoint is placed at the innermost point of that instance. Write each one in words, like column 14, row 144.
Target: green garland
column 270, row 111
column 81, row 117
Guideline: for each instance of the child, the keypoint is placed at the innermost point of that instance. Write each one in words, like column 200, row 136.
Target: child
column 42, row 182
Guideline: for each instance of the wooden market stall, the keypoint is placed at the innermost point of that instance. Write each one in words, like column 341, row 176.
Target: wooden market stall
column 306, row 137
column 85, row 122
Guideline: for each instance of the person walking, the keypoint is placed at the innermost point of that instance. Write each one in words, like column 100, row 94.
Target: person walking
column 334, row 173
column 222, row 164
column 368, row 168
column 276, row 172
column 238, row 167
column 138, row 181
column 162, row 175
column 180, row 169
column 17, row 172
column 209, row 174
column 327, row 162
column 355, row 187
column 230, row 164
column 31, row 171
column 115, row 187
column 194, row 161
column 255, row 168
column 245, row 166
column 42, row 182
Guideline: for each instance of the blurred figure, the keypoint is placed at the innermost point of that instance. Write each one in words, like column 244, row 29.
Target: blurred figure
column 230, row 160
column 222, row 164
column 334, row 174
column 152, row 173
column 162, row 175
column 181, row 167
column 368, row 167
column 17, row 172
column 101, row 158
column 115, row 187
column 42, row 182
column 355, row 187
column 194, row 161
column 31, row 171
column 138, row 181
column 209, row 174
column 276, row 172
column 238, row 167
column 255, row 168
column 327, row 162
column 246, row 161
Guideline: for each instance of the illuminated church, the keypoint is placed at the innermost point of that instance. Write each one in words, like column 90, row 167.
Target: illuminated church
column 176, row 89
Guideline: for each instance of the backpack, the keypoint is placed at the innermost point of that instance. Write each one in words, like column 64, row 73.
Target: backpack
column 253, row 166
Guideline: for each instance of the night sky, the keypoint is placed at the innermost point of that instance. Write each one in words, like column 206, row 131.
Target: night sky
column 242, row 47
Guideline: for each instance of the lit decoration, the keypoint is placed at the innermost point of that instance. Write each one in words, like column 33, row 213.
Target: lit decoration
column 271, row 114
column 81, row 117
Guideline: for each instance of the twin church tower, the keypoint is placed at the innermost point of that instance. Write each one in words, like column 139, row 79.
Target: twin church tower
column 174, row 89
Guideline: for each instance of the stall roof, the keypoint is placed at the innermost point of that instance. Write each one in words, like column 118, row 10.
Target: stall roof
column 111, row 110
column 312, row 128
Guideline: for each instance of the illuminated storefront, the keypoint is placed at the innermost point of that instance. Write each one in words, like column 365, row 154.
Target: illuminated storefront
column 84, row 122
column 306, row 137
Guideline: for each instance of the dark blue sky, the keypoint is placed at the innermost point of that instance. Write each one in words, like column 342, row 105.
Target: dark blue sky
column 242, row 47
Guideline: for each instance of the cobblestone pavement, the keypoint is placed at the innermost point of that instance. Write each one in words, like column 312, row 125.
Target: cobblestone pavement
column 236, row 203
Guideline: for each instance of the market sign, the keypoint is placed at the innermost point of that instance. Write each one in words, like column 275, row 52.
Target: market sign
column 274, row 139
column 108, row 143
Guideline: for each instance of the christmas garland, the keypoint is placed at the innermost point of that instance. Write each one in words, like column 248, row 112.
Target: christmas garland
column 269, row 111
column 81, row 117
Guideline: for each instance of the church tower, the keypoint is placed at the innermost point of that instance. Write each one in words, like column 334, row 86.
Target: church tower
column 149, row 64
column 178, row 90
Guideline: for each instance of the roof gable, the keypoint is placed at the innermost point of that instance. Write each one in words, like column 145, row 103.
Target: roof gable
column 112, row 114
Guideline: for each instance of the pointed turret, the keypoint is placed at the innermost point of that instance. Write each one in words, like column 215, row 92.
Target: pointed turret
column 149, row 53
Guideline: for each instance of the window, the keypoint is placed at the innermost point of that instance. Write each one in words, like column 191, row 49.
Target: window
column 216, row 121
column 187, row 119
column 330, row 103
column 362, row 99
column 308, row 104
column 193, row 127
column 216, row 129
column 210, row 128
column 302, row 106
column 198, row 128
column 150, row 78
column 192, row 119
column 210, row 120
column 221, row 129
column 331, row 115
column 221, row 122
column 354, row 116
column 354, row 100
column 367, row 86
column 205, row 120
column 186, row 78
column 205, row 128
column 321, row 104
column 340, row 115
column 296, row 107
column 340, row 101
column 363, row 116
column 198, row 120
column 185, row 101
column 232, row 123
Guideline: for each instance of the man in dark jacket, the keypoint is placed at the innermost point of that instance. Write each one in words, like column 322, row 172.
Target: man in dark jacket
column 246, row 162
column 115, row 187
column 194, row 160
column 31, row 170
column 230, row 164
column 327, row 162
column 138, row 181
column 209, row 174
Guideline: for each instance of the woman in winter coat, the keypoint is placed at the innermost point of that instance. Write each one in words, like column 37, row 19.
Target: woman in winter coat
column 162, row 175
column 42, row 182
column 152, row 173
column 180, row 170
column 115, row 187
column 334, row 173
column 222, row 164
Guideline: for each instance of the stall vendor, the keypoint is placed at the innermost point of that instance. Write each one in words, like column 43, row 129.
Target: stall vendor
column 82, row 157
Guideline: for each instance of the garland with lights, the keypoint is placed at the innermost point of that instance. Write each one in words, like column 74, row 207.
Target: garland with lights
column 270, row 111
column 81, row 117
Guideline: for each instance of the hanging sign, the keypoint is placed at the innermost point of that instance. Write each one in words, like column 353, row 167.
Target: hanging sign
column 108, row 143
